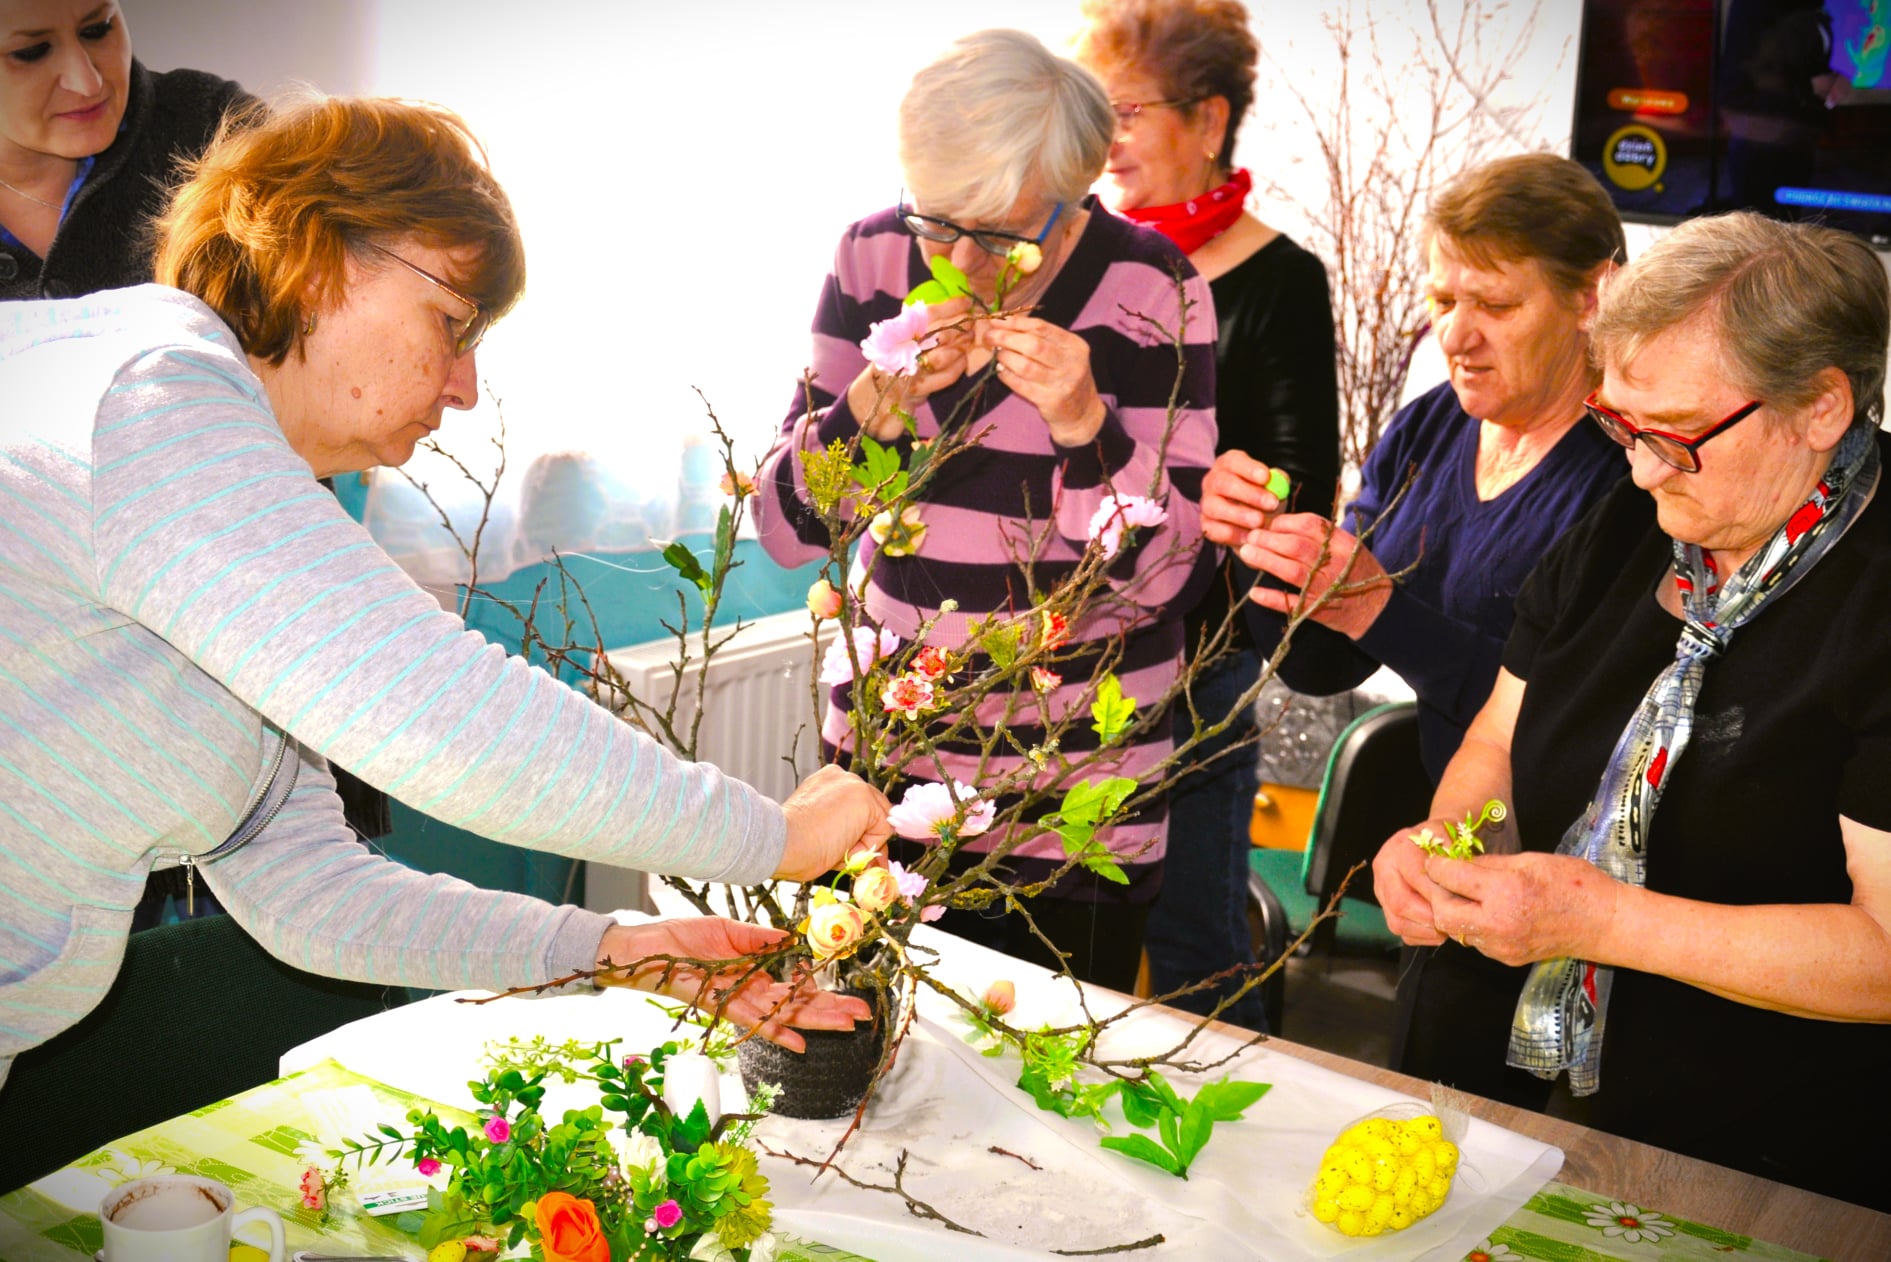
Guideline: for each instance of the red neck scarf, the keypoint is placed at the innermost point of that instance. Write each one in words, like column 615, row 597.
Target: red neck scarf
column 1194, row 223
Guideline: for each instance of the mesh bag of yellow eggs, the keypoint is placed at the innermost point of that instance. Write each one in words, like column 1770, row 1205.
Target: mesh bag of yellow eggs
column 1386, row 1171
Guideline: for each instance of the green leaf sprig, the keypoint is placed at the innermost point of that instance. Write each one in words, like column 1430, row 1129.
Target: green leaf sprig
column 1464, row 840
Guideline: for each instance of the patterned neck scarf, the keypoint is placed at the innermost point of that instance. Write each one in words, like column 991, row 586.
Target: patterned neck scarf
column 1194, row 223
column 1560, row 1015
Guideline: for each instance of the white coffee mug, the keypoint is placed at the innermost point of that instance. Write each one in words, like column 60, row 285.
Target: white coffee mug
column 179, row 1218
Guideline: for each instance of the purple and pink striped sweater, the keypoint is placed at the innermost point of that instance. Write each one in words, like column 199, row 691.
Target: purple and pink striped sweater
column 1017, row 496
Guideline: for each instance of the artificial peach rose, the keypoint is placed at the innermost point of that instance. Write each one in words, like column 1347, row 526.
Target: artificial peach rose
column 823, row 600
column 835, row 929
column 875, row 889
column 1000, row 997
column 1026, row 256
column 569, row 1231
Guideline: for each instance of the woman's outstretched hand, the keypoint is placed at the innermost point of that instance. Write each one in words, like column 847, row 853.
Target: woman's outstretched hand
column 756, row 1002
column 831, row 814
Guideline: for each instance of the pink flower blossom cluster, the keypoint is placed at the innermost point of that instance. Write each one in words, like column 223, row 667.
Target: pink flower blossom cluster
column 895, row 345
column 870, row 645
column 1118, row 513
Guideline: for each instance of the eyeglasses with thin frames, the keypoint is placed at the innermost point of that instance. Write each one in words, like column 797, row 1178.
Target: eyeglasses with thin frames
column 474, row 329
column 944, row 231
column 1671, row 449
column 1127, row 112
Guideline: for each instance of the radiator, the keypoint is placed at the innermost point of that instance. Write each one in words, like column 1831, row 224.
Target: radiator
column 756, row 703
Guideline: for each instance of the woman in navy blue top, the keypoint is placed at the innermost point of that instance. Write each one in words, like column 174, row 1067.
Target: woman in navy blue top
column 1473, row 481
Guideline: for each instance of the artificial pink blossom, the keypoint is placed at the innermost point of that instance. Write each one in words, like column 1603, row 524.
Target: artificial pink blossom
column 314, row 1190
column 823, row 600
column 428, row 1166
column 909, row 695
column 928, row 809
column 870, row 646
column 932, row 663
column 1118, row 512
column 895, row 345
column 736, row 483
column 912, row 888
column 480, row 1244
column 1000, row 997
column 667, row 1214
column 1045, row 680
column 498, row 1130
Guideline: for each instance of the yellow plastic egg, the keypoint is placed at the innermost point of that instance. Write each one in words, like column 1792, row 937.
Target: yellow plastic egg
column 1357, row 1197
column 1350, row 1222
column 1326, row 1209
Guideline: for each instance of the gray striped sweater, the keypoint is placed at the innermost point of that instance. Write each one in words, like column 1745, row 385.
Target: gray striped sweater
column 174, row 583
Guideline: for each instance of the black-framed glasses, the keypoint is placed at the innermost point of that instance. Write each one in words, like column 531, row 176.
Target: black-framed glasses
column 1127, row 112
column 469, row 333
column 944, row 231
column 1671, row 449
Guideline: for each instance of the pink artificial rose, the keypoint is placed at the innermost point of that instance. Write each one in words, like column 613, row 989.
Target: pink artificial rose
column 428, row 1166
column 932, row 663
column 894, row 345
column 909, row 696
column 667, row 1214
column 498, row 1130
column 1045, row 680
column 314, row 1190
column 869, row 646
column 823, row 600
column 927, row 810
column 1117, row 513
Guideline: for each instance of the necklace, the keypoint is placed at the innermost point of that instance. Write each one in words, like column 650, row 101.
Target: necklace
column 29, row 197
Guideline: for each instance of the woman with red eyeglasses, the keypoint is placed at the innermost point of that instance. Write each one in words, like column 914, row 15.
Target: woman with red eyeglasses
column 1688, row 938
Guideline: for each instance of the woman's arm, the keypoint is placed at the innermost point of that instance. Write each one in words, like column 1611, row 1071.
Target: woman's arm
column 1830, row 960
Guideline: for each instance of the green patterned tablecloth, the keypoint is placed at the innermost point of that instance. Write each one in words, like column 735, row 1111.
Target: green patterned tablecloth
column 254, row 1142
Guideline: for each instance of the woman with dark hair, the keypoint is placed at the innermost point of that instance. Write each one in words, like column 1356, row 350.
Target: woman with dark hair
column 90, row 141
column 190, row 625
column 1180, row 74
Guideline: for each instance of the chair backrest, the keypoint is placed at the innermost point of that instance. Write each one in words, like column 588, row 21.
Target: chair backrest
column 1375, row 783
column 199, row 1012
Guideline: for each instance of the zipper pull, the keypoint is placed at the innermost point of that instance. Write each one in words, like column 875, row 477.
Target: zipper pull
column 190, row 885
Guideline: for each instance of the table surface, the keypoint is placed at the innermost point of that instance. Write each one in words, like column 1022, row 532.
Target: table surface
column 1706, row 1193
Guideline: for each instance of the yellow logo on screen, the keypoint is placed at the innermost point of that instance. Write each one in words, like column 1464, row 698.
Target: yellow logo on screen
column 1634, row 157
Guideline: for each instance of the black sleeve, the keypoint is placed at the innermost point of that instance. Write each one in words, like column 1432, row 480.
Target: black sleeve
column 1589, row 552
column 1277, row 397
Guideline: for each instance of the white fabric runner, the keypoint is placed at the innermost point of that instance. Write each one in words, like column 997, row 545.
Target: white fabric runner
column 948, row 1107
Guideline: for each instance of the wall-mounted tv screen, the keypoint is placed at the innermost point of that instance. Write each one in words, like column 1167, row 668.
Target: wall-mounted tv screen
column 1690, row 107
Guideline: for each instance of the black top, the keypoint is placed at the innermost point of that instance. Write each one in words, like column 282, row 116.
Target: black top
column 104, row 242
column 1276, row 392
column 1791, row 731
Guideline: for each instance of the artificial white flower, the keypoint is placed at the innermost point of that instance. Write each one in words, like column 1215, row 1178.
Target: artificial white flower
column 1630, row 1222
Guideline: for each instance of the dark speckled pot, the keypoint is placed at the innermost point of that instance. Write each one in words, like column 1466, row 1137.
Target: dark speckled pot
column 832, row 1077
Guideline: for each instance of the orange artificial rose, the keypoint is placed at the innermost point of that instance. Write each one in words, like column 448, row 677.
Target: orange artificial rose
column 568, row 1230
column 876, row 889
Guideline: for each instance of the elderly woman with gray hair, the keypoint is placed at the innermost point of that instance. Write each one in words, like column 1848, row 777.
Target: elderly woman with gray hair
column 1064, row 381
column 1692, row 726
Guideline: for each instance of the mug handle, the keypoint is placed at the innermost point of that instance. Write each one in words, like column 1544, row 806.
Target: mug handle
column 263, row 1214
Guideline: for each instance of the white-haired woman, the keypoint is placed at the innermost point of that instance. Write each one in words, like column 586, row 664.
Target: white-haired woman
column 1069, row 397
column 1692, row 727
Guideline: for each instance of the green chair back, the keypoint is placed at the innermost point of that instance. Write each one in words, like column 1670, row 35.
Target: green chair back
column 199, row 1012
column 1375, row 784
